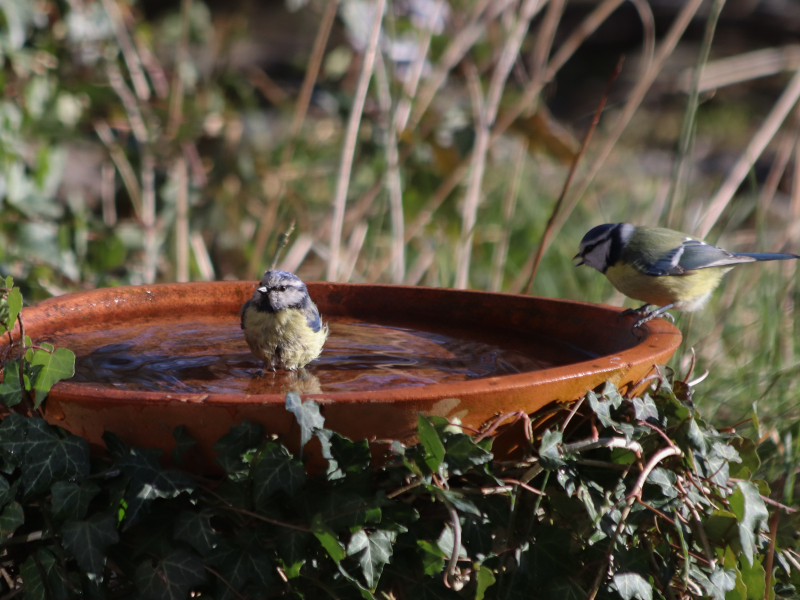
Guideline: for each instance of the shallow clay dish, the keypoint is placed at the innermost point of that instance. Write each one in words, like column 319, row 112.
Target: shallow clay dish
column 601, row 346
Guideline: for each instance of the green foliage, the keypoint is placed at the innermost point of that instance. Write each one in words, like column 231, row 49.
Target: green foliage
column 29, row 377
column 572, row 518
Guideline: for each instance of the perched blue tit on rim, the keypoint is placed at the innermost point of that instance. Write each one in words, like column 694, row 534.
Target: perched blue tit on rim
column 659, row 266
column 281, row 324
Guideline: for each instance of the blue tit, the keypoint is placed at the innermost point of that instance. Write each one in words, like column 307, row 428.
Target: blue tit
column 281, row 324
column 659, row 266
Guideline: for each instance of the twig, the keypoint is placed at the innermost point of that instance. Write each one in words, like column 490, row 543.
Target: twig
column 575, row 162
column 712, row 561
column 404, row 489
column 524, row 486
column 648, row 33
column 225, row 581
column 128, row 101
column 773, row 534
column 754, row 149
column 575, row 408
column 280, row 244
column 668, row 43
column 349, row 148
column 449, row 574
column 592, row 444
column 634, row 494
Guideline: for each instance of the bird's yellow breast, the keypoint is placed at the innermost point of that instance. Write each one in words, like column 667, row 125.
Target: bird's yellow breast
column 282, row 338
column 688, row 291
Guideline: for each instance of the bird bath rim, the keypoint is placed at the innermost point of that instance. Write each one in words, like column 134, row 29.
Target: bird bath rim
column 659, row 339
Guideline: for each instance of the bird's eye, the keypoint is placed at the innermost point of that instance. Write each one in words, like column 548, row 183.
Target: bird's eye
column 282, row 288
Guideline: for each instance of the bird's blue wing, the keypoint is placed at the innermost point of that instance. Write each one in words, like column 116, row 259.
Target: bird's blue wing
column 312, row 317
column 244, row 309
column 690, row 256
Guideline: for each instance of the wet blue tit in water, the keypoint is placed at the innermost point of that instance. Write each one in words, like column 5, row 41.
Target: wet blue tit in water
column 659, row 266
column 281, row 324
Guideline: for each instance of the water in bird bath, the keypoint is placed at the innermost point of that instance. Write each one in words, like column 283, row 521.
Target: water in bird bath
column 210, row 356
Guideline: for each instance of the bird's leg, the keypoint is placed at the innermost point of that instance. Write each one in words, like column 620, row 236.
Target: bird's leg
column 659, row 312
column 639, row 312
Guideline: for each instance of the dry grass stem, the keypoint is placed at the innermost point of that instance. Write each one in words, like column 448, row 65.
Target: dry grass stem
column 777, row 169
column 108, row 193
column 676, row 30
column 421, row 265
column 548, row 231
column 393, row 182
column 469, row 210
column 312, row 72
column 354, row 246
column 153, row 67
column 682, row 169
column 649, row 34
column 411, row 81
column 754, row 149
column 201, row 257
column 349, row 148
column 128, row 51
column 182, row 221
column 128, row 101
column 500, row 253
column 267, row 86
column 454, row 54
column 744, row 67
column 123, row 165
column 297, row 253
column 176, row 99
column 545, row 36
column 149, row 216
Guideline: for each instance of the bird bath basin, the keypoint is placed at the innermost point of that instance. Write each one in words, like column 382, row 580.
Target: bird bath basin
column 150, row 358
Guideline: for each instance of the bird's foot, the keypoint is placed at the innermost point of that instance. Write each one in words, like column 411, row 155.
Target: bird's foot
column 637, row 312
column 653, row 314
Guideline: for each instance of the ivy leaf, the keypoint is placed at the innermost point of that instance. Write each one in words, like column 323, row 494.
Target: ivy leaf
column 563, row 588
column 46, row 453
column 236, row 448
column 184, row 442
column 276, row 470
column 195, row 529
column 372, row 552
column 115, row 447
column 432, row 557
column 71, row 500
column 14, row 300
column 750, row 511
column 307, row 415
column 723, row 581
column 463, row 454
column 7, row 492
column 755, row 578
column 646, row 409
column 241, row 561
column 54, row 366
column 11, row 392
column 149, row 481
column 665, row 479
column 431, row 442
column 54, row 586
column 87, row 541
column 11, row 518
column 292, row 546
column 328, row 539
column 171, row 577
column 549, row 454
column 484, row 579
column 633, row 585
column 602, row 408
column 350, row 457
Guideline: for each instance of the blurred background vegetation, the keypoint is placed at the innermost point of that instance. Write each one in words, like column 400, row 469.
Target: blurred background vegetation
column 423, row 142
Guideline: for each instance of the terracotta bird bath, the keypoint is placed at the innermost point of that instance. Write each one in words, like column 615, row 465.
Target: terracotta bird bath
column 150, row 358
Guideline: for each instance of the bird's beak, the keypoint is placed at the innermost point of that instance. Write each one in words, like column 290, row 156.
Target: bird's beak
column 262, row 289
column 580, row 260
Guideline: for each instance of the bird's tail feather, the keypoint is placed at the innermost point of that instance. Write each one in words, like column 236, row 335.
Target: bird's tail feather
column 767, row 255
